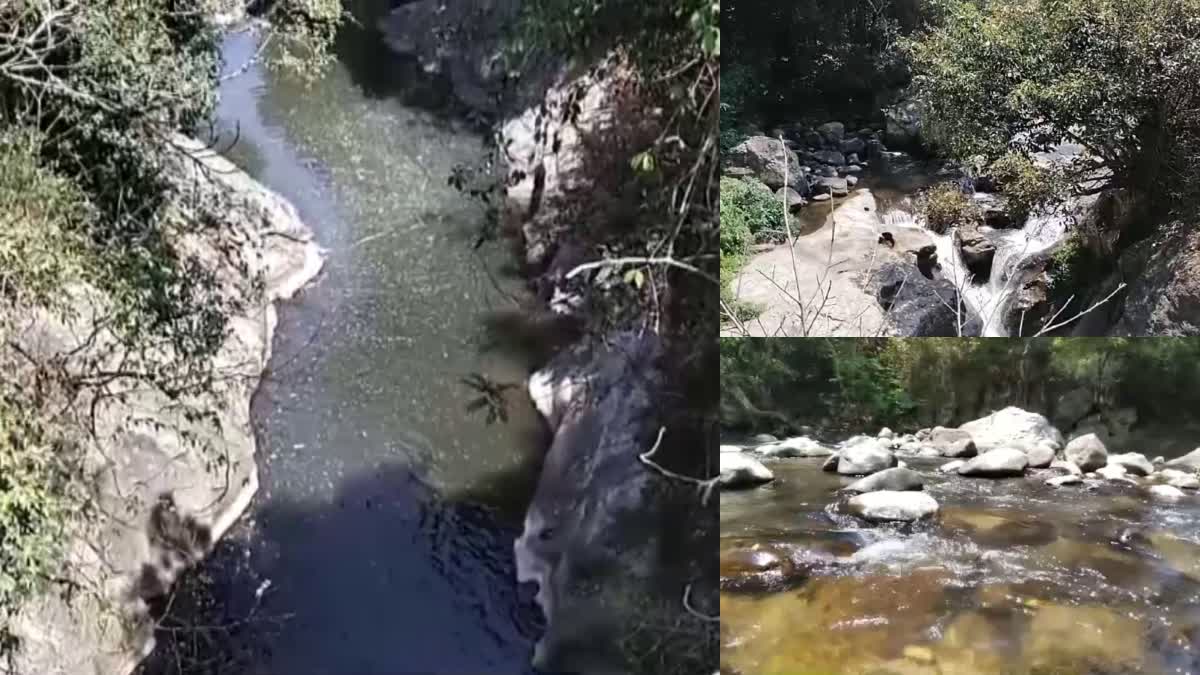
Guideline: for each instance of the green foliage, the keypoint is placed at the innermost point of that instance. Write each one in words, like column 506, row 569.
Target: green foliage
column 851, row 385
column 750, row 205
column 945, row 205
column 1120, row 77
column 1027, row 186
column 35, row 479
column 840, row 54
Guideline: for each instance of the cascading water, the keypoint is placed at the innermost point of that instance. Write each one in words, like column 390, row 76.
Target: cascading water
column 990, row 301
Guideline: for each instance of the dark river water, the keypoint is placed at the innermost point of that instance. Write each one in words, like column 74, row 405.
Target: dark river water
column 381, row 538
column 1013, row 577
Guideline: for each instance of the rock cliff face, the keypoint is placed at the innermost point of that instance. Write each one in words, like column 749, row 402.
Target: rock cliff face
column 160, row 503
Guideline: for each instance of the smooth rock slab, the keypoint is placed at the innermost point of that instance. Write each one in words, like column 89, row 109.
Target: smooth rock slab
column 998, row 463
column 1087, row 451
column 895, row 479
column 891, row 505
column 741, row 471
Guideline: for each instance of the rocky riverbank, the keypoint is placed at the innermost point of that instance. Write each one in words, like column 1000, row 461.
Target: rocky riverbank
column 167, row 482
column 959, row 550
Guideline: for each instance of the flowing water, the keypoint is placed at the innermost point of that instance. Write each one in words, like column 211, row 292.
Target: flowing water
column 896, row 183
column 381, row 538
column 1012, row 577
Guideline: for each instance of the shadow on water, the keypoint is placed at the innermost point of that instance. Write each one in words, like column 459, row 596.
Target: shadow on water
column 420, row 580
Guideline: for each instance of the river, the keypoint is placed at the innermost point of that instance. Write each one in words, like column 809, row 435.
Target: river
column 381, row 538
column 1012, row 577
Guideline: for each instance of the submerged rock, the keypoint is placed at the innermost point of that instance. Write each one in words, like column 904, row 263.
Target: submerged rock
column 1087, row 452
column 896, row 479
column 892, row 505
column 740, row 471
column 998, row 463
column 1068, row 639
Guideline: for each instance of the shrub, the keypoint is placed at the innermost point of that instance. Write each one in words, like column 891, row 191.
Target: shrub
column 1029, row 187
column 751, row 203
column 946, row 205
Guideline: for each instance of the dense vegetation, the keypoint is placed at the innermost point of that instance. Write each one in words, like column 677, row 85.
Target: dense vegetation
column 850, row 385
column 91, row 96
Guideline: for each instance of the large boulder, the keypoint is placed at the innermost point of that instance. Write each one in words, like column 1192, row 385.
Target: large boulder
column 740, row 471
column 1041, row 455
column 789, row 195
column 952, row 442
column 897, row 478
column 834, row 185
column 769, row 161
column 799, row 446
column 1087, row 452
column 1134, row 462
column 997, row 463
column 889, row 505
column 977, row 252
column 921, row 307
column 1189, row 462
column 903, row 124
column 832, row 133
column 864, row 455
column 1012, row 427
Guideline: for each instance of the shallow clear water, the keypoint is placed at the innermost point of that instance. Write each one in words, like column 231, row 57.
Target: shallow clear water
column 387, row 511
column 1012, row 577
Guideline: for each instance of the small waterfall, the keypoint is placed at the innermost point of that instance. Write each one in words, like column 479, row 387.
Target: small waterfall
column 989, row 301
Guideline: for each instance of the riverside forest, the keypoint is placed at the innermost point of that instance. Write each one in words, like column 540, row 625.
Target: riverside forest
column 959, row 505
column 961, row 168
column 297, row 303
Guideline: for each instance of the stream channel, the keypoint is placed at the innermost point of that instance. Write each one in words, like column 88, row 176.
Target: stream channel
column 381, row 538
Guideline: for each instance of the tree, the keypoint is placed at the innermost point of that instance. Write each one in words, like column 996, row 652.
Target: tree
column 1119, row 77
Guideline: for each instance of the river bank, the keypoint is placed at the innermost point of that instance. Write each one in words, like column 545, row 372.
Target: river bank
column 1010, row 569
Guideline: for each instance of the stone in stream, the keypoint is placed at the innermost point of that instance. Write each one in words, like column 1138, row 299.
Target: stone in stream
column 897, row 478
column 832, row 133
column 1087, row 451
column 1177, row 478
column 1166, row 492
column 1012, row 426
column 952, row 442
column 1068, row 479
column 831, row 464
column 1133, row 462
column 977, row 252
column 864, row 455
column 1041, row 455
column 739, row 471
column 1083, row 639
column 794, row 200
column 951, row 467
column 830, row 157
column 852, row 146
column 799, row 446
column 892, row 505
column 997, row 463
column 769, row 161
column 1189, row 462
column 765, row 438
column 838, row 187
column 1111, row 472
column 823, row 197
column 1069, row 467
